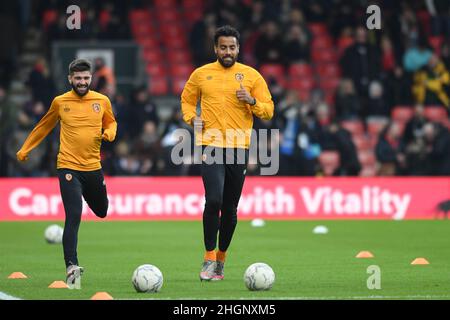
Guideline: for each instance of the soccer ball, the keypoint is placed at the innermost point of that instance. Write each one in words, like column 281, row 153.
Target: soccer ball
column 259, row 276
column 54, row 233
column 147, row 278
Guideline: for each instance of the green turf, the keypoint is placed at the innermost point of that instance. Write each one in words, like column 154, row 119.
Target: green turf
column 306, row 265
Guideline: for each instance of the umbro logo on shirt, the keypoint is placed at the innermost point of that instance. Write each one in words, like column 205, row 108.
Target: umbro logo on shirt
column 209, row 78
column 66, row 108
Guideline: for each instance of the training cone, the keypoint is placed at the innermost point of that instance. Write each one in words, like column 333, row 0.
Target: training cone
column 420, row 261
column 102, row 296
column 364, row 254
column 17, row 275
column 58, row 285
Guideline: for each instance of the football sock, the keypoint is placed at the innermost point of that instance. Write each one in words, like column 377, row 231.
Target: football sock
column 210, row 255
column 220, row 255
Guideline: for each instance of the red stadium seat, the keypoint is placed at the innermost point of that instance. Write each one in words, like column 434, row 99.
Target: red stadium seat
column 302, row 84
column 435, row 113
column 155, row 69
column 165, row 4
column 193, row 5
column 164, row 16
column 368, row 170
column 148, row 43
column 329, row 84
column 181, row 70
column 328, row 70
column 329, row 161
column 178, row 85
column 318, row 29
column 193, row 16
column 322, row 42
column 376, row 125
column 158, row 86
column 402, row 113
column 153, row 55
column 361, row 142
column 275, row 71
column 322, row 56
column 179, row 57
column 139, row 16
column 367, row 157
column 356, row 127
column 300, row 70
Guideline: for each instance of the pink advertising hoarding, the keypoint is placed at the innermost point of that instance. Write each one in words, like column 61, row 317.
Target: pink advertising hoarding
column 263, row 197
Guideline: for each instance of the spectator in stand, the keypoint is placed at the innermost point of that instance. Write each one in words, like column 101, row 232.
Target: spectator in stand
column 388, row 57
column 348, row 105
column 377, row 104
column 398, row 87
column 431, row 83
column 342, row 17
column 416, row 57
column 361, row 62
column 41, row 83
column 414, row 143
column 388, row 151
column 200, row 39
column 445, row 53
column 142, row 109
column 103, row 79
column 8, row 116
column 296, row 45
column 32, row 167
column 440, row 16
column 269, row 45
column 437, row 140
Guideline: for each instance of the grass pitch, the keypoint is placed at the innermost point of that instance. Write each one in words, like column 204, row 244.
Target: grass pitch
column 307, row 265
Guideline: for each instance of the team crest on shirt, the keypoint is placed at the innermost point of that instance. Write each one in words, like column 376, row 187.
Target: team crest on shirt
column 239, row 76
column 68, row 177
column 96, row 107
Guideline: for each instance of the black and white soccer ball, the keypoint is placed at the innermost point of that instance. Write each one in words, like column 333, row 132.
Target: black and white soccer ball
column 259, row 276
column 54, row 233
column 147, row 278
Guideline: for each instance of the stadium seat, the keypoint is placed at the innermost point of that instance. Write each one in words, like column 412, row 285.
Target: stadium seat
column 158, row 86
column 155, row 69
column 366, row 157
column 301, row 84
column 318, row 28
column 153, row 55
column 178, row 85
column 179, row 57
column 368, row 170
column 193, row 16
column 328, row 70
column 181, row 70
column 320, row 55
column 402, row 113
column 329, row 84
column 300, row 70
column 322, row 42
column 329, row 161
column 193, row 5
column 375, row 125
column 435, row 113
column 139, row 16
column 361, row 142
column 273, row 71
column 167, row 16
column 356, row 127
column 165, row 4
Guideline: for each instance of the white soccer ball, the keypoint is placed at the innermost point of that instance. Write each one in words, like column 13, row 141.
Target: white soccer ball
column 54, row 234
column 259, row 276
column 147, row 278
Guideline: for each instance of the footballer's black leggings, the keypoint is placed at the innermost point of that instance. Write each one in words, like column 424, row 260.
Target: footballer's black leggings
column 74, row 186
column 223, row 184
